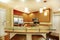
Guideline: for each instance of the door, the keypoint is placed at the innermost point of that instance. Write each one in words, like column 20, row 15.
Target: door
column 56, row 22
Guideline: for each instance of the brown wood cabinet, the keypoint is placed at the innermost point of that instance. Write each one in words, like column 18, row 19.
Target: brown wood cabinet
column 37, row 37
column 19, row 37
column 30, row 16
column 7, row 37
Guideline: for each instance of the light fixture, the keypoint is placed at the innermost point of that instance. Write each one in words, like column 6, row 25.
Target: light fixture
column 41, row 10
column 46, row 13
column 44, row 7
column 59, row 9
column 23, row 0
column 5, row 1
column 38, row 1
column 45, row 0
column 26, row 10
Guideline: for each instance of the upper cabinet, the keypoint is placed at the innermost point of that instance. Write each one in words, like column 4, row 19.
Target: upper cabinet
column 28, row 17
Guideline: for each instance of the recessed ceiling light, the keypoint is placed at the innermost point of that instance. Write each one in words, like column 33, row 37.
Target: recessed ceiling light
column 23, row 0
column 38, row 0
column 5, row 1
column 26, row 10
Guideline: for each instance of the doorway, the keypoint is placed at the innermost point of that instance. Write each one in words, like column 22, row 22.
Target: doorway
column 56, row 22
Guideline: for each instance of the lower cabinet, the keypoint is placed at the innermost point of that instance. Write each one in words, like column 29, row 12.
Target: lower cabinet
column 37, row 37
column 24, row 37
column 7, row 37
column 19, row 37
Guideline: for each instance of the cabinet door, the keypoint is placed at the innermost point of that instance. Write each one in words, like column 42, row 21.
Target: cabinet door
column 19, row 37
column 37, row 37
column 7, row 37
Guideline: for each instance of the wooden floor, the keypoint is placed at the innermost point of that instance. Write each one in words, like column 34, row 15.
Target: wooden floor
column 19, row 37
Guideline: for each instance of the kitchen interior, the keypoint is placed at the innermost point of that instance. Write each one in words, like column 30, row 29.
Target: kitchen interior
column 41, row 23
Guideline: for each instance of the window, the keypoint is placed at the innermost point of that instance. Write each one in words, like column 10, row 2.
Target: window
column 18, row 21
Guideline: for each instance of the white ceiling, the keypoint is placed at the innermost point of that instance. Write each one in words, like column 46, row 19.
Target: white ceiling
column 33, row 5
